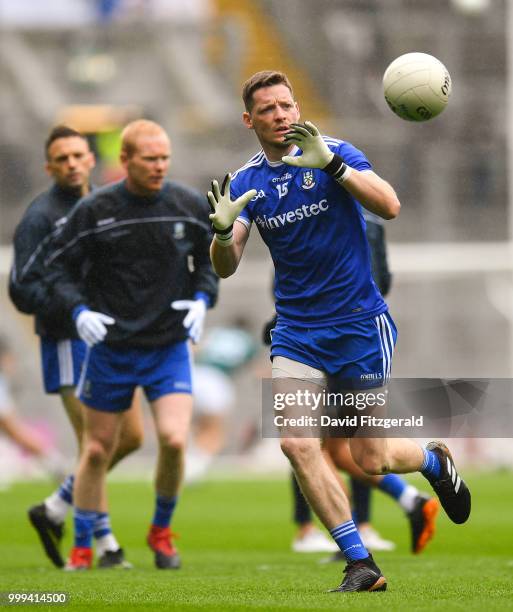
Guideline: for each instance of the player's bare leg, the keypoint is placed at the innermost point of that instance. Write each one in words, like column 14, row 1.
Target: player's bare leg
column 131, row 433
column 48, row 517
column 421, row 509
column 172, row 414
column 316, row 477
column 318, row 482
column 376, row 456
column 400, row 455
column 101, row 434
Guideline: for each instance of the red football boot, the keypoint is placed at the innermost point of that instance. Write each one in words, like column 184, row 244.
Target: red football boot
column 160, row 540
column 81, row 558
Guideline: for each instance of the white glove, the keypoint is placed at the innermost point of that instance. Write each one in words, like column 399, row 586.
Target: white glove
column 224, row 210
column 316, row 153
column 91, row 326
column 194, row 319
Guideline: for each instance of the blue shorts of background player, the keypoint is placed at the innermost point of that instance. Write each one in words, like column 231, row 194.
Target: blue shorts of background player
column 61, row 362
column 111, row 375
column 358, row 352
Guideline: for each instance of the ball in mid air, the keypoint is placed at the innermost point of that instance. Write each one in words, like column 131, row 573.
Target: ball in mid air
column 417, row 86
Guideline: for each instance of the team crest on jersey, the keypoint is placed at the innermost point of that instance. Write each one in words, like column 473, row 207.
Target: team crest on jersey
column 179, row 230
column 308, row 179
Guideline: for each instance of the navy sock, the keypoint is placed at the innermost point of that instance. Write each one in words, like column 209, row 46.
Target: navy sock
column 431, row 466
column 164, row 509
column 65, row 491
column 348, row 540
column 84, row 526
column 302, row 511
column 393, row 485
column 361, row 501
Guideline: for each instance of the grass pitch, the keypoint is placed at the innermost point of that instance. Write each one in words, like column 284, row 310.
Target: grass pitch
column 235, row 545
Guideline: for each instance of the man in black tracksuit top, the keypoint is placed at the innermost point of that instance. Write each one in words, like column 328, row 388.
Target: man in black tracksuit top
column 136, row 249
column 144, row 243
column 69, row 162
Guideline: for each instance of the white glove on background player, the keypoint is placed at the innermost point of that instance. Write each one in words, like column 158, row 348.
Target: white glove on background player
column 194, row 319
column 225, row 211
column 91, row 326
column 316, row 153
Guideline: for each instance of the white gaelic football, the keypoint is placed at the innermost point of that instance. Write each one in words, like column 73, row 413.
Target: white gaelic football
column 417, row 86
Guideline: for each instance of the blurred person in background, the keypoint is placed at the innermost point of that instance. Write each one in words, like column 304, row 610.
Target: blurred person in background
column 15, row 429
column 223, row 352
column 144, row 245
column 69, row 163
column 333, row 326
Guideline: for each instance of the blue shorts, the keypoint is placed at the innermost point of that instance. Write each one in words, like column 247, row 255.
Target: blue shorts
column 62, row 363
column 358, row 353
column 110, row 375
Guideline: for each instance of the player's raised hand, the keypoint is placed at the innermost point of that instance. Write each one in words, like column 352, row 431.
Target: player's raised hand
column 316, row 153
column 224, row 210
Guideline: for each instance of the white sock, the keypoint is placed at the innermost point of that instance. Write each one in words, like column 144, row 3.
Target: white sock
column 57, row 508
column 407, row 499
column 105, row 543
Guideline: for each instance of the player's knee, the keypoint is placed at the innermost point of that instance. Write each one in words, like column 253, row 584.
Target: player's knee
column 373, row 463
column 298, row 450
column 173, row 443
column 130, row 443
column 97, row 452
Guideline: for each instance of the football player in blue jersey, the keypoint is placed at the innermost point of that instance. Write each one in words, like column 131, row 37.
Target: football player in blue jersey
column 69, row 162
column 144, row 245
column 421, row 510
column 305, row 193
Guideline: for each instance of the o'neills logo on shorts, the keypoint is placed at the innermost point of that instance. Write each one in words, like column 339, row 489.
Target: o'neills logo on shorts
column 371, row 376
column 299, row 214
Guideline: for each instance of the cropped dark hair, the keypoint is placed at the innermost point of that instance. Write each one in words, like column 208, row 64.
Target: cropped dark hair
column 61, row 131
column 264, row 78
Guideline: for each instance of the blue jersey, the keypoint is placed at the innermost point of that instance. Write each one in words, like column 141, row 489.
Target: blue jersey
column 315, row 232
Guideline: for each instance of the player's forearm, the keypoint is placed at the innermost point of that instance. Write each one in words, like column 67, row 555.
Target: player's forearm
column 225, row 259
column 226, row 254
column 374, row 193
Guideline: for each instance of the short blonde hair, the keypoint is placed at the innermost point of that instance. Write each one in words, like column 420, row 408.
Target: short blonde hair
column 135, row 129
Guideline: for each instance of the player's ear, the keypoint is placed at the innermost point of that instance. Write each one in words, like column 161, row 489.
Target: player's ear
column 246, row 119
column 92, row 160
column 123, row 158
